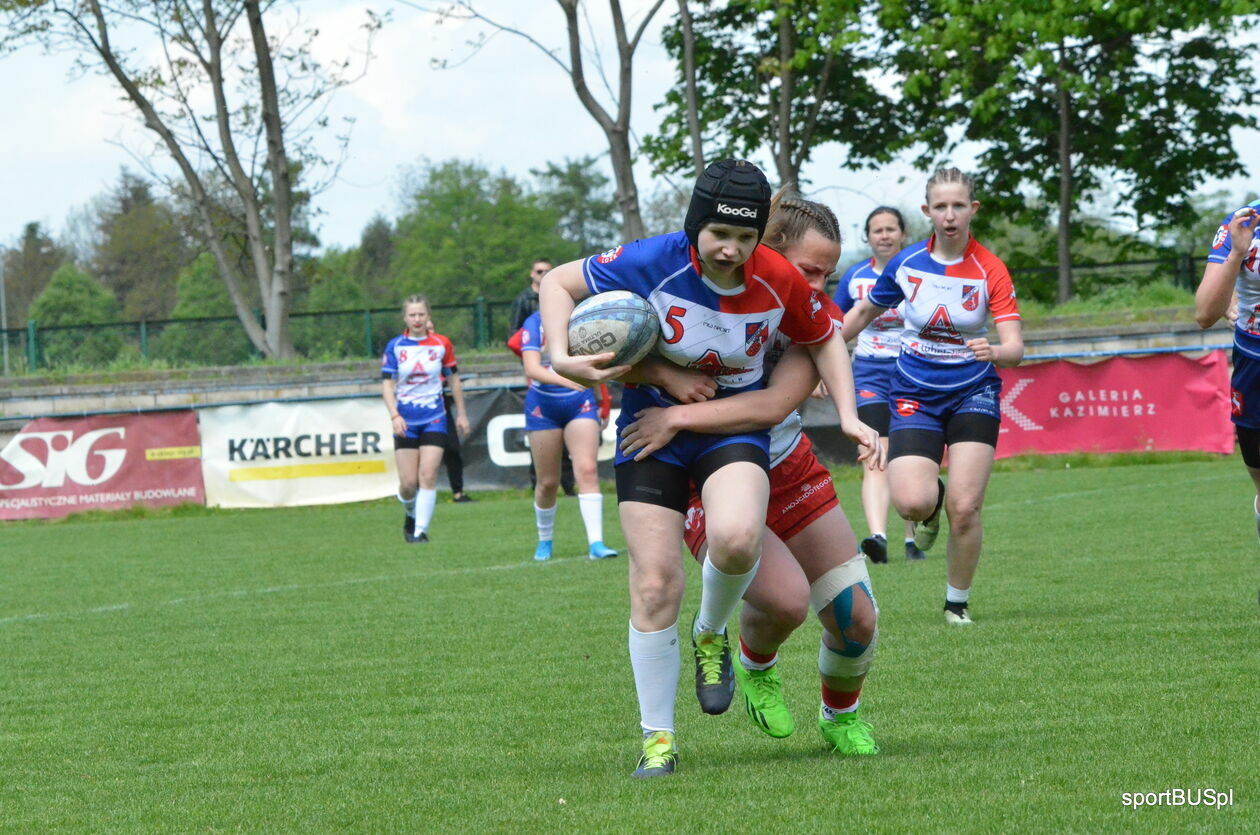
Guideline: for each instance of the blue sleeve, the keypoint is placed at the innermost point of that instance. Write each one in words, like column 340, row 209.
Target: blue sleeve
column 389, row 361
column 531, row 336
column 886, row 292
column 842, row 298
column 638, row 267
column 1223, row 244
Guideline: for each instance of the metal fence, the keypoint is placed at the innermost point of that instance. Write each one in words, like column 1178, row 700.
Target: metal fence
column 322, row 335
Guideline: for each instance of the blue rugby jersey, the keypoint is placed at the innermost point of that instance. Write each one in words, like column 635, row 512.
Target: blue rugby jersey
column 881, row 339
column 1247, row 285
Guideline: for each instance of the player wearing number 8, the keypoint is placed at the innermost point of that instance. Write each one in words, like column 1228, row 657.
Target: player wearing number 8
column 946, row 391
column 720, row 298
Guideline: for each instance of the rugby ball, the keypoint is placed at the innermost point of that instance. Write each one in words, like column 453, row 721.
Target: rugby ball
column 618, row 321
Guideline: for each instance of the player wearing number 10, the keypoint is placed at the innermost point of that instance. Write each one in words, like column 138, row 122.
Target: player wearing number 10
column 720, row 298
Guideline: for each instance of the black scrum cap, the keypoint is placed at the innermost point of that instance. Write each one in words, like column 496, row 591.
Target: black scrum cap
column 731, row 191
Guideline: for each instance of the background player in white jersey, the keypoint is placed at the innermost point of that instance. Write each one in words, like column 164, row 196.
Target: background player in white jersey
column 946, row 391
column 561, row 414
column 720, row 298
column 874, row 360
column 1234, row 266
column 413, row 367
column 810, row 556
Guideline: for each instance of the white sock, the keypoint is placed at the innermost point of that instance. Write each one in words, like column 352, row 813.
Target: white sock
column 831, row 713
column 425, row 500
column 592, row 507
column 720, row 595
column 545, row 518
column 655, row 659
column 909, row 540
column 409, row 505
column 953, row 595
column 749, row 664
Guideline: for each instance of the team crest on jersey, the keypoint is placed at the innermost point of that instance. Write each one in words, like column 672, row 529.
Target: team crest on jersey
column 1221, row 235
column 906, row 407
column 609, row 256
column 1235, row 402
column 755, row 335
column 432, row 356
column 524, row 337
column 971, row 296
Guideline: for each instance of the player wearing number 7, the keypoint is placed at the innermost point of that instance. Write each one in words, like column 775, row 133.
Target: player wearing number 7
column 720, row 298
column 945, row 391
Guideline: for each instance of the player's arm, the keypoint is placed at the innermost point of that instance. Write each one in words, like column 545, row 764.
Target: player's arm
column 1211, row 300
column 457, row 394
column 832, row 360
column 1009, row 352
column 686, row 385
column 539, row 373
column 856, row 319
column 793, row 379
column 396, row 421
column 561, row 289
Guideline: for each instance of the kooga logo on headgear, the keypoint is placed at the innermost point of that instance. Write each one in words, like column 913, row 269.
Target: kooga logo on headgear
column 737, row 211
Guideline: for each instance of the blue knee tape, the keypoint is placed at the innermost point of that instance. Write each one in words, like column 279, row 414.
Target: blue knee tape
column 842, row 610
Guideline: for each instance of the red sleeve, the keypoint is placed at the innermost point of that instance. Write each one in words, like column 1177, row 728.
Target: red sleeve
column 514, row 341
column 835, row 311
column 449, row 361
column 807, row 319
column 1001, row 290
column 605, row 401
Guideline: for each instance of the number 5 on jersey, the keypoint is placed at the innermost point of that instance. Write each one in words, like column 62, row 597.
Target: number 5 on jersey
column 673, row 321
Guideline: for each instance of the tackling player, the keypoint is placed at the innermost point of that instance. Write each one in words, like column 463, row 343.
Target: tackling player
column 946, row 391
column 720, row 299
column 561, row 414
column 1234, row 267
column 874, row 360
column 413, row 367
column 810, row 556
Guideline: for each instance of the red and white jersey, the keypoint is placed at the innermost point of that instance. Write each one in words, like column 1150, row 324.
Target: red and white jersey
column 418, row 366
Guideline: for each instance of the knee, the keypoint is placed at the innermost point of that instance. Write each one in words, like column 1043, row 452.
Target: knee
column 862, row 625
column 549, row 483
column 656, row 590
column 786, row 613
column 585, row 471
column 964, row 516
column 408, row 484
column 913, row 507
column 739, row 542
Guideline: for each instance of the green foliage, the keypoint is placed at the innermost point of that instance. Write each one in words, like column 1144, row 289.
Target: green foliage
column 755, row 58
column 468, row 232
column 201, row 293
column 77, row 306
column 582, row 197
column 28, row 266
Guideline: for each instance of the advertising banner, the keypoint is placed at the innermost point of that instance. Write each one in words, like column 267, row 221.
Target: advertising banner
column 1123, row 404
column 286, row 454
column 58, row 466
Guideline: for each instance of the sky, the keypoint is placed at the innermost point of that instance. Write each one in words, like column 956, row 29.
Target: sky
column 508, row 107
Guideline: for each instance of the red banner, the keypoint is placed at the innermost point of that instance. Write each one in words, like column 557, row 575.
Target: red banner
column 1123, row 404
column 58, row 466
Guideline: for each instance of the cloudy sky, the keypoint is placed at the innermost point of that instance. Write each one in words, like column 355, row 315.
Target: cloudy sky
column 508, row 107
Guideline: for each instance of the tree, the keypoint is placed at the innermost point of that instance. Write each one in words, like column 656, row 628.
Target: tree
column 71, row 300
column 776, row 75
column 140, row 249
column 27, row 268
column 233, row 107
column 578, row 193
column 468, row 232
column 616, row 127
column 1069, row 96
column 200, row 294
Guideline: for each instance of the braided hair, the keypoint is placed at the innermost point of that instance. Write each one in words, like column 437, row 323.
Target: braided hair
column 791, row 216
column 943, row 176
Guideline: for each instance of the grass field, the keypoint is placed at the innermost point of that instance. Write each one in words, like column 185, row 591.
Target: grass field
column 305, row 670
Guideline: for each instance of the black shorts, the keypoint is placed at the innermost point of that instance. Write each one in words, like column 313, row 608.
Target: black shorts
column 423, row 439
column 928, row 443
column 876, row 416
column 653, row 481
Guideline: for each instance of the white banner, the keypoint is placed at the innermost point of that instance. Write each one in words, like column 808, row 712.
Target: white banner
column 286, row 454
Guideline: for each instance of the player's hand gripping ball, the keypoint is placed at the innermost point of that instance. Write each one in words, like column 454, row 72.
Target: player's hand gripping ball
column 618, row 321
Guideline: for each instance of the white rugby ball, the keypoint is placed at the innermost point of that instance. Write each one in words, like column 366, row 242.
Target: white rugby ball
column 618, row 321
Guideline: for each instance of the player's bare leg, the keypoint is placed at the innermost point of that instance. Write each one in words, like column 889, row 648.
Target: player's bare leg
column 875, row 500
column 654, row 540
column 581, row 437
column 970, row 464
column 426, row 495
column 544, row 448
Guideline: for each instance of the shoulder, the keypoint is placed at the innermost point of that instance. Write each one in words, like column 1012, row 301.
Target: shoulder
column 770, row 266
column 915, row 250
column 643, row 251
column 990, row 263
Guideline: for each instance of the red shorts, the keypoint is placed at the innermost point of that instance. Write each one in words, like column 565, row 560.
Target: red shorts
column 800, row 492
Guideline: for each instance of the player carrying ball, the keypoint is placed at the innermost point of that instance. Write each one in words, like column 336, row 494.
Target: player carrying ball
column 720, row 299
column 946, row 390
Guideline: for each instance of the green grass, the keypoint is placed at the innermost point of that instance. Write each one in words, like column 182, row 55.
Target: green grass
column 305, row 670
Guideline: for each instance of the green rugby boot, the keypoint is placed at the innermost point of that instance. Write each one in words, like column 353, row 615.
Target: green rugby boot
column 847, row 734
column 763, row 700
column 660, row 756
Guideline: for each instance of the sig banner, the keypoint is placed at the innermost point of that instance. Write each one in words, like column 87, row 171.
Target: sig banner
column 1123, row 404
column 283, row 454
column 58, row 466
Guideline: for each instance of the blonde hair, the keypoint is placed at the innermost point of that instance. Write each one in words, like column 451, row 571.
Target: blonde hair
column 415, row 298
column 791, row 216
column 944, row 176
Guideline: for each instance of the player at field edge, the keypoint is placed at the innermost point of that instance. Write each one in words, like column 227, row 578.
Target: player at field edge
column 874, row 359
column 720, row 298
column 945, row 392
column 561, row 414
column 1234, row 268
column 810, row 558
column 413, row 367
